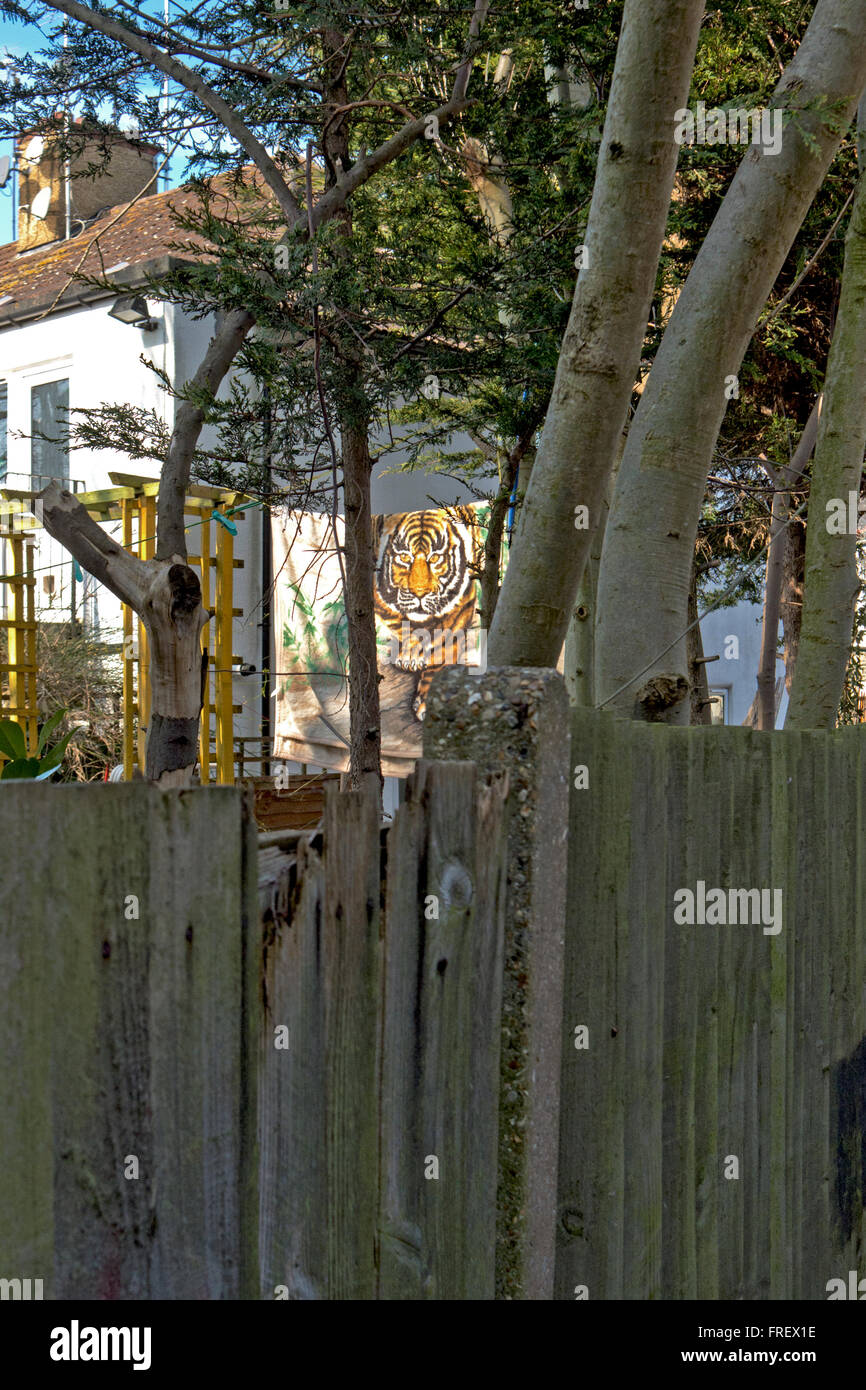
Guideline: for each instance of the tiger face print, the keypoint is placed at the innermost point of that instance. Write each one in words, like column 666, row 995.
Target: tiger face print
column 425, row 582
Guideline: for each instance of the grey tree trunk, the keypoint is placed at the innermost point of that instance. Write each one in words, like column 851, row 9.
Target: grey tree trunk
column 772, row 604
column 578, row 662
column 792, row 595
column 649, row 545
column 782, row 480
column 166, row 595
column 600, row 352
column 831, row 579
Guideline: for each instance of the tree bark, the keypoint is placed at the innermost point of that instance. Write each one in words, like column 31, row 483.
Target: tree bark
column 493, row 553
column 365, row 725
column 792, row 595
column 649, row 544
column 772, row 604
column 767, row 704
column 520, row 457
column 601, row 350
column 174, row 478
column 164, row 592
column 365, row 738
column 831, row 579
column 166, row 595
column 578, row 658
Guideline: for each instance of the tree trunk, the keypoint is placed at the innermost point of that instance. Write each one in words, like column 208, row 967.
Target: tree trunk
column 772, row 606
column 166, row 595
column 767, row 704
column 601, row 350
column 365, row 738
column 365, row 725
column 831, row 579
column 493, row 554
column 521, row 458
column 649, row 545
column 792, row 594
column 578, row 660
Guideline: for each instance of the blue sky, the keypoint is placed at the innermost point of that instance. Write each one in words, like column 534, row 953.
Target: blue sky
column 14, row 38
column 17, row 39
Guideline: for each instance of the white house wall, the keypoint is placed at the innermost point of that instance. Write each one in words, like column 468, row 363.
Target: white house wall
column 736, row 671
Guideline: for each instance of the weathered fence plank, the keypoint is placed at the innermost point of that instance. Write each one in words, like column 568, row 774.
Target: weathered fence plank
column 292, row 1080
column 443, row 1000
column 393, row 1047
column 122, row 959
column 351, row 1089
column 352, row 988
column 762, row 1057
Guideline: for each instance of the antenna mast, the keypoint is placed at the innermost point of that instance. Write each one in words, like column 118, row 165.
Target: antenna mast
column 67, row 179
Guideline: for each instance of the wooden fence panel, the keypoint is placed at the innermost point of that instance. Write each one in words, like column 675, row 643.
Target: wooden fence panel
column 393, row 1024
column 443, row 1001
column 303, row 1096
column 591, row 1156
column 292, row 1122
column 758, row 1077
column 352, row 975
column 122, row 961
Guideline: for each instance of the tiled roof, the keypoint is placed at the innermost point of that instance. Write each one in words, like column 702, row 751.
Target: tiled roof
column 119, row 241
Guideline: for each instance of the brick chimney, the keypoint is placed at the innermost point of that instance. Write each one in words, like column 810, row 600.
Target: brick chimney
column 40, row 167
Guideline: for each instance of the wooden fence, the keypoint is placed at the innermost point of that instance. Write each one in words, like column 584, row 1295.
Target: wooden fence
column 712, row 1143
column 712, row 1120
column 321, row 1070
column 194, row 1104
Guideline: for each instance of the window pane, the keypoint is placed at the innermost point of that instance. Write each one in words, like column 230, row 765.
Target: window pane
column 3, row 389
column 718, row 706
column 49, row 458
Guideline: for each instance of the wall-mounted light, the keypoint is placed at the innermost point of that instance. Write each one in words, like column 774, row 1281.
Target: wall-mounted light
column 132, row 309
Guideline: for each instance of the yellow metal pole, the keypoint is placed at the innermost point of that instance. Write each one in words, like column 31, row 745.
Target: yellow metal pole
column 141, row 694
column 223, row 656
column 28, row 645
column 16, row 683
column 146, row 550
column 128, row 660
column 204, row 726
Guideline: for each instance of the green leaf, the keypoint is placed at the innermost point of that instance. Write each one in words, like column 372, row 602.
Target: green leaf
column 48, row 729
column 55, row 757
column 20, row 769
column 12, row 739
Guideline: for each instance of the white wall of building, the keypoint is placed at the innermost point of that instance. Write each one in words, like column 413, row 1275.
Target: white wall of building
column 736, row 671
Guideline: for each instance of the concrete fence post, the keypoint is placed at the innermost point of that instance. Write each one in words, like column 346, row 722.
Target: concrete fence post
column 518, row 719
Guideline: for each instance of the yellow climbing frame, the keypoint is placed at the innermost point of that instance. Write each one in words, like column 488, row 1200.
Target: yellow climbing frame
column 18, row 666
column 133, row 501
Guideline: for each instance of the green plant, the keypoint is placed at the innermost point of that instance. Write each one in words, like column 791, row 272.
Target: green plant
column 79, row 671
column 39, row 765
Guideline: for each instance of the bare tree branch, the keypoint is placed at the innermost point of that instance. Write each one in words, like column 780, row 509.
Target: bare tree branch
column 174, row 479
column 72, row 525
